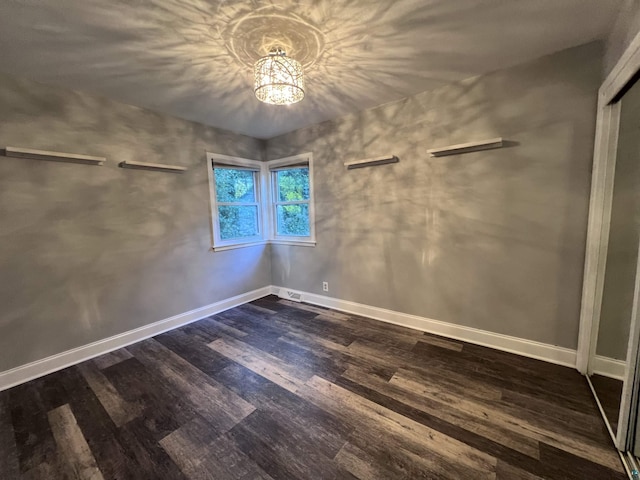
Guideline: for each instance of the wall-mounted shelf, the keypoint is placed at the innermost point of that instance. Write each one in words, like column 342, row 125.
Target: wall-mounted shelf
column 153, row 166
column 370, row 162
column 466, row 147
column 18, row 152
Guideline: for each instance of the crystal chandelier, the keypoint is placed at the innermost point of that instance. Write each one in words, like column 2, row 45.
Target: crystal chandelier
column 278, row 79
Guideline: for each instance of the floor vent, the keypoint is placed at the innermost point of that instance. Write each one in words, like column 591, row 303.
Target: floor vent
column 290, row 295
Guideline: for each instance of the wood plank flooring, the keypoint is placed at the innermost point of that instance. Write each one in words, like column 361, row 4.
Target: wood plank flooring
column 609, row 392
column 279, row 390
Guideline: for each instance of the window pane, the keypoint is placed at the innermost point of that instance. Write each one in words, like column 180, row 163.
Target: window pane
column 238, row 221
column 293, row 220
column 235, row 185
column 293, row 184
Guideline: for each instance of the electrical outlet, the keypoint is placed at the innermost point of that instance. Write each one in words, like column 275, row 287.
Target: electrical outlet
column 325, row 286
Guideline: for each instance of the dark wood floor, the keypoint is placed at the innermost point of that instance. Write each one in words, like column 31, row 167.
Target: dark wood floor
column 276, row 390
column 609, row 392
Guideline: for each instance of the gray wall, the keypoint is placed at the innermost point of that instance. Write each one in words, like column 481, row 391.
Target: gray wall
column 624, row 30
column 87, row 252
column 624, row 234
column 493, row 240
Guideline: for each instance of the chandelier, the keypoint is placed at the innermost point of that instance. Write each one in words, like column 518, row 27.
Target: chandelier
column 279, row 80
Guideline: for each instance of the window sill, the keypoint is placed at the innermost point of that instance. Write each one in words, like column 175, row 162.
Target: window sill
column 299, row 243
column 222, row 248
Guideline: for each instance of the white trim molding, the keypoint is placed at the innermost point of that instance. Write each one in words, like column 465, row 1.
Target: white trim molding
column 609, row 367
column 602, row 179
column 602, row 183
column 520, row 346
column 39, row 368
column 527, row 348
column 622, row 73
column 604, row 161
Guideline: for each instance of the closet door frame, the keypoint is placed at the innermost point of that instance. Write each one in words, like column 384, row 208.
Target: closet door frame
column 602, row 181
column 628, row 404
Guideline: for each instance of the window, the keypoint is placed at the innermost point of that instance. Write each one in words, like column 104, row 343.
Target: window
column 236, row 201
column 291, row 186
column 256, row 202
column 292, row 219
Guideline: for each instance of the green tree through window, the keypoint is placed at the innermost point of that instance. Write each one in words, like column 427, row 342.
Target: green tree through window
column 292, row 202
column 255, row 202
column 237, row 203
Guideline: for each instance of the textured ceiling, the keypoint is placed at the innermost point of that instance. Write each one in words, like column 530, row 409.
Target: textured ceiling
column 192, row 58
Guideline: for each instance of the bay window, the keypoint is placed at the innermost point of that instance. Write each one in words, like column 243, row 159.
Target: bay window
column 258, row 202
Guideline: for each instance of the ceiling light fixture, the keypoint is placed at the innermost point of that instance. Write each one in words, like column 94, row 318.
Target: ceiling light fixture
column 279, row 80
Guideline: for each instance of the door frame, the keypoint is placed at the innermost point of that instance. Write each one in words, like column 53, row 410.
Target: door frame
column 604, row 160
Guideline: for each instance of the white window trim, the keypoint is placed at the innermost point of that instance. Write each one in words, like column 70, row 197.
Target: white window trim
column 217, row 244
column 309, row 241
column 265, row 196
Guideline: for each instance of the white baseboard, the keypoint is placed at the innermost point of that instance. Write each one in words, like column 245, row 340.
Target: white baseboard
column 528, row 348
column 609, row 367
column 39, row 368
column 520, row 346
